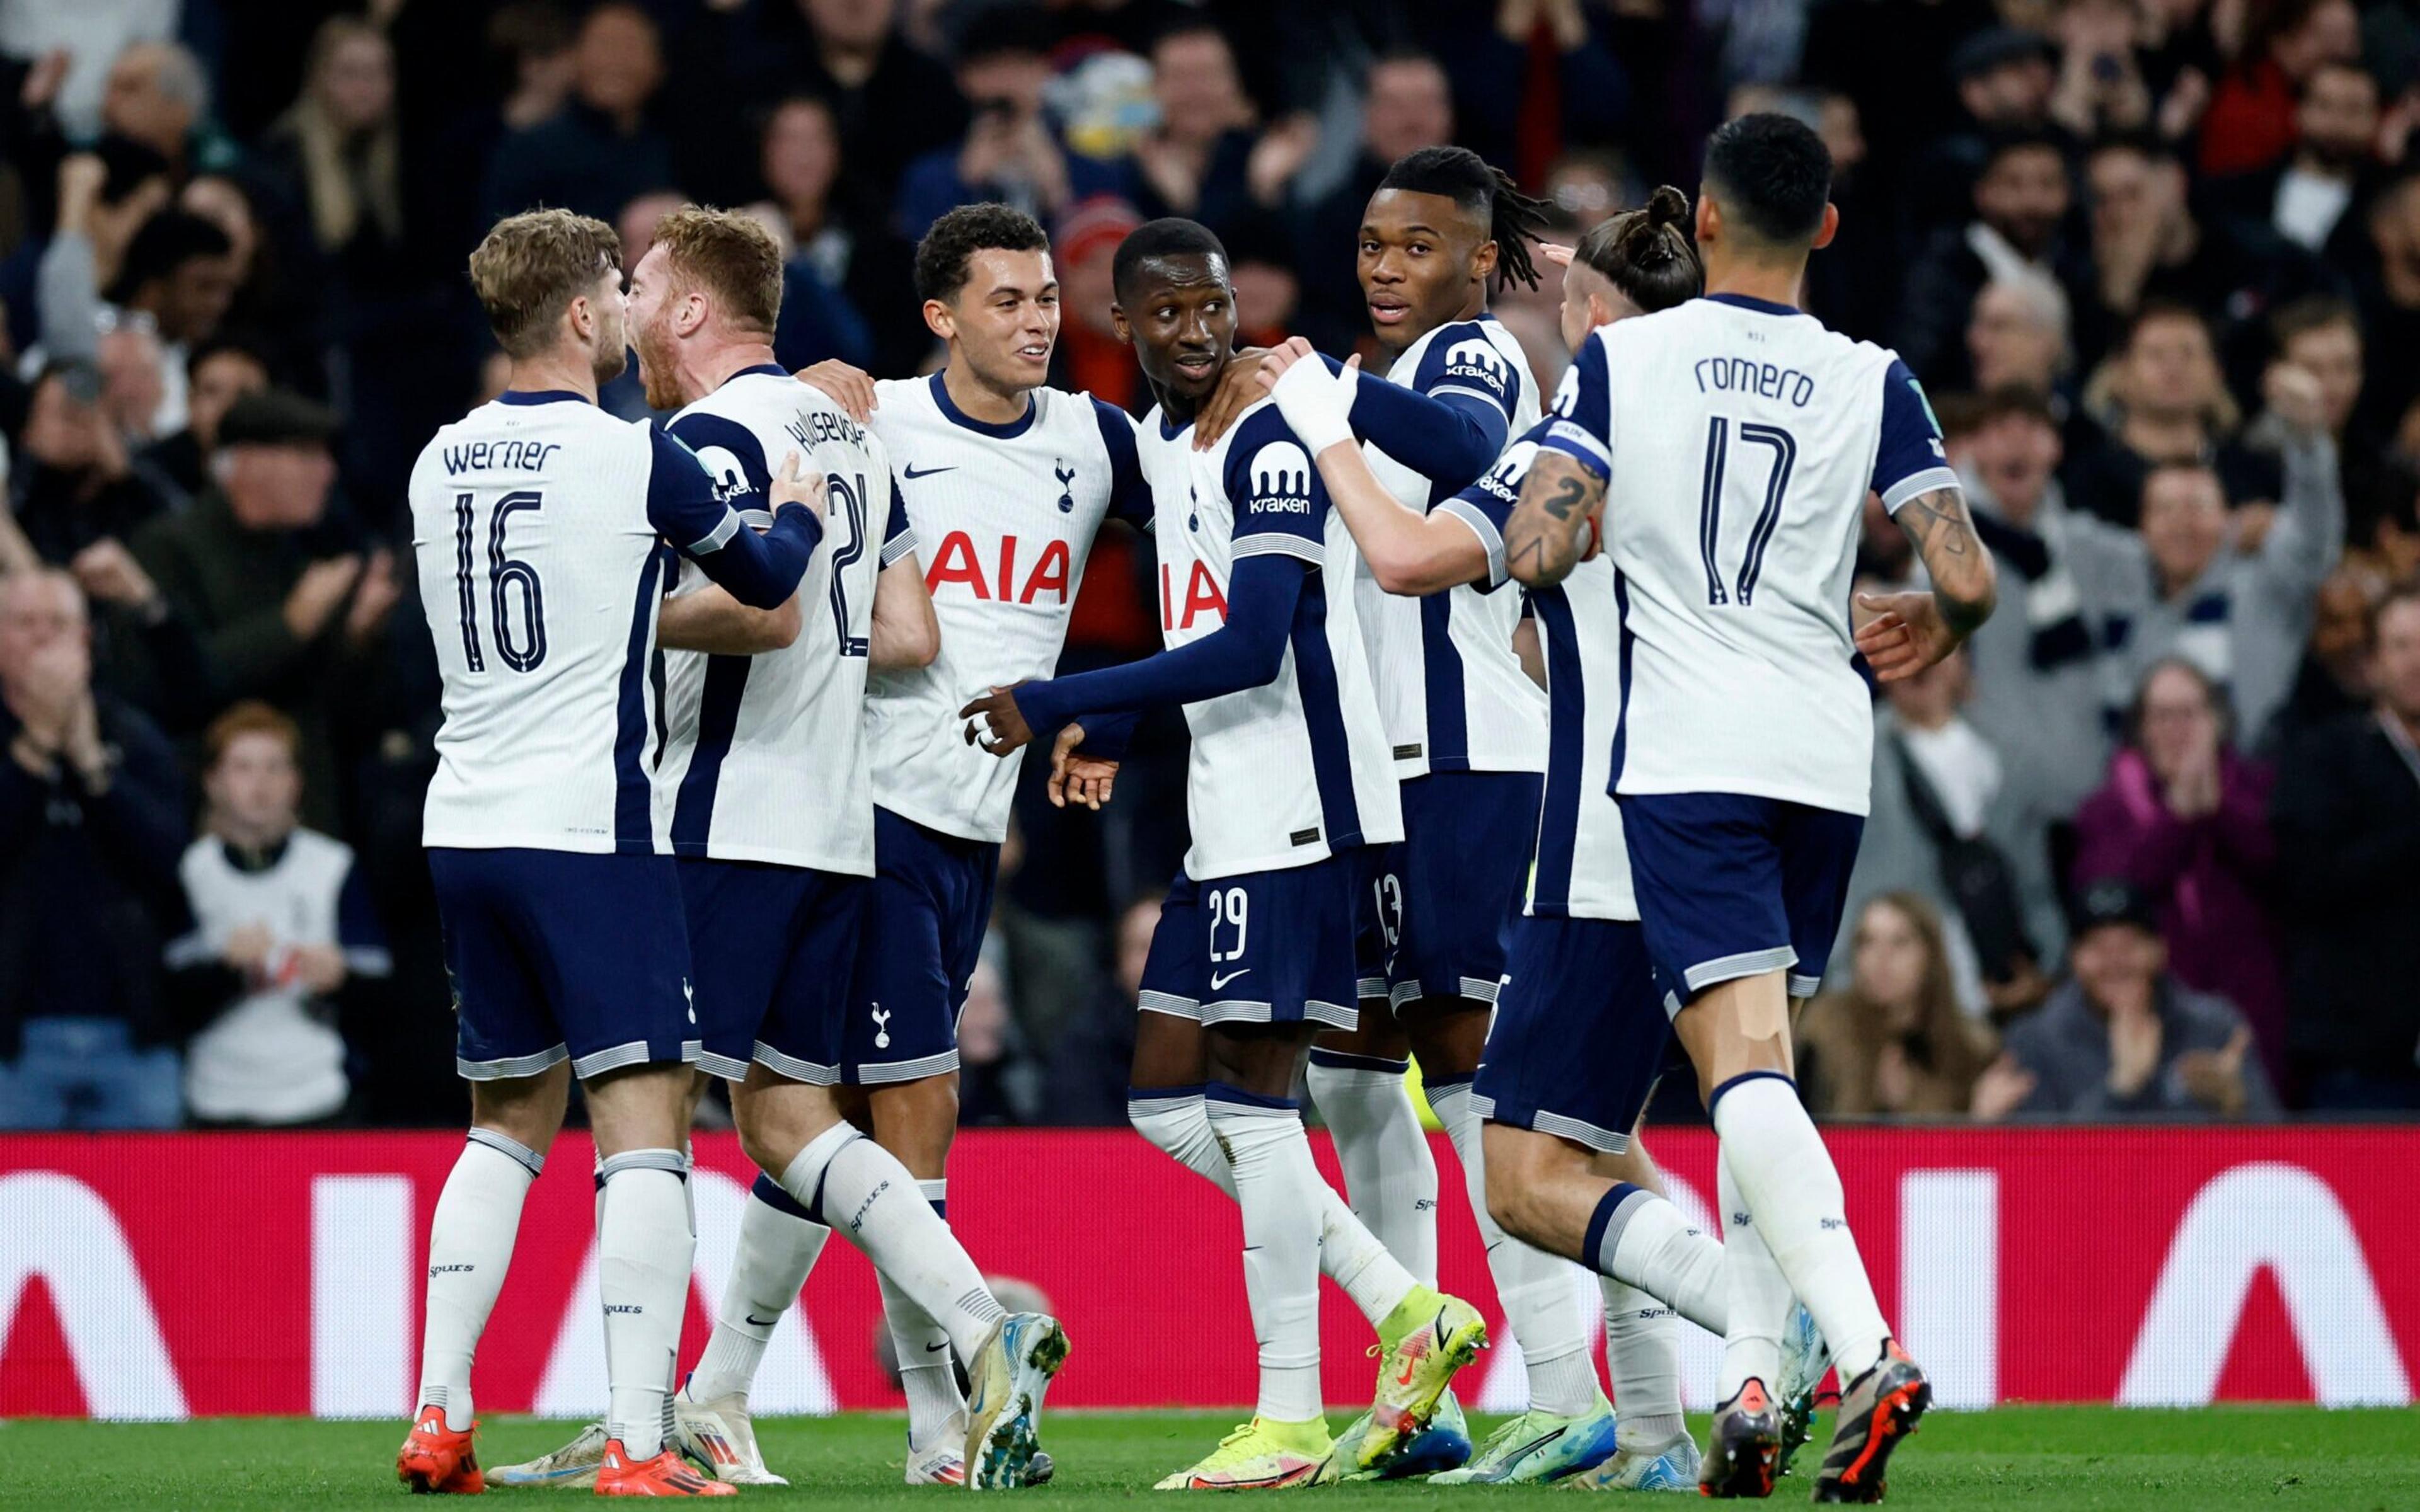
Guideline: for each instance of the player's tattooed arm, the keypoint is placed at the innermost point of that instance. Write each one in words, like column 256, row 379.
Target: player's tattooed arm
column 1963, row 581
column 1553, row 525
column 1903, row 634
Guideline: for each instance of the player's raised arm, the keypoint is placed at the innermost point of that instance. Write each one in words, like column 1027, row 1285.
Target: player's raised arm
column 1908, row 632
column 906, row 632
column 1555, row 525
column 1409, row 552
column 761, row 571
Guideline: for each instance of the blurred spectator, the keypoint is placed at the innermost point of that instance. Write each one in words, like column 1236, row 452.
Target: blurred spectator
column 601, row 148
column 2318, row 198
column 2148, row 246
column 1894, row 1042
column 2185, row 819
column 2038, row 681
column 2123, row 1037
column 157, row 96
column 86, row 39
column 2100, row 88
column 996, row 1083
column 2017, row 335
column 287, row 607
column 847, row 266
column 2251, row 120
column 1533, row 77
column 2322, row 336
column 91, row 825
column 2334, row 675
column 1202, row 159
column 2389, row 295
column 1407, row 105
column 894, row 103
column 2243, row 616
column 73, row 481
column 1090, row 1054
column 282, row 930
column 1089, row 355
column 2021, row 197
column 2004, row 76
column 217, row 373
column 340, row 149
column 541, row 46
column 2161, row 400
column 1012, row 152
column 1940, row 792
column 2347, row 816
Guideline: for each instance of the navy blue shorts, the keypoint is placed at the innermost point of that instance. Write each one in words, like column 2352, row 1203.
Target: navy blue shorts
column 1580, row 1034
column 773, row 951
column 1462, row 869
column 556, row 954
column 924, row 936
column 1262, row 947
column 1731, row 885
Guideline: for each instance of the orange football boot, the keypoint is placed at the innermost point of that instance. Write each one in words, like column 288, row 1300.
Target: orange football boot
column 436, row 1459
column 666, row 1474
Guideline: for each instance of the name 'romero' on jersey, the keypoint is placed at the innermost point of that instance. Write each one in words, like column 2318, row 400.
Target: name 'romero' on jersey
column 1741, row 438
column 538, row 524
column 1449, row 687
column 1294, row 771
column 1004, row 516
column 764, row 756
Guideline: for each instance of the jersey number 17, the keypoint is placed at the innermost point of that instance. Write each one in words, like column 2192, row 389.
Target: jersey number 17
column 1784, row 450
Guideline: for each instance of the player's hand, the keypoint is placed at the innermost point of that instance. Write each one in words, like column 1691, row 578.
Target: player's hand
column 1238, row 390
column 1557, row 252
column 1316, row 403
column 851, row 388
column 1905, row 635
column 1076, row 778
column 793, row 486
column 997, row 712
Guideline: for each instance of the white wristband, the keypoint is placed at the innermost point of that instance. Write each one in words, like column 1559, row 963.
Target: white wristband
column 1316, row 403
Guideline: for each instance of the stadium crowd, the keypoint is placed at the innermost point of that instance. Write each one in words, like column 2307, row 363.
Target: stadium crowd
column 2150, row 847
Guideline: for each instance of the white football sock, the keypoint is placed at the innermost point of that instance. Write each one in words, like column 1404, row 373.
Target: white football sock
column 936, row 1411
column 1642, row 1355
column 644, row 1251
column 860, row 1190
column 1534, row 1288
column 470, row 1246
column 1787, row 1178
column 777, row 1249
column 1756, row 1293
column 1639, row 1237
column 1276, row 1185
column 1178, row 1121
column 1389, row 1176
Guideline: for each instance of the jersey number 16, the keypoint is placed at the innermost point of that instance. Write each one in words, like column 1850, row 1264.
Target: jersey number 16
column 522, row 647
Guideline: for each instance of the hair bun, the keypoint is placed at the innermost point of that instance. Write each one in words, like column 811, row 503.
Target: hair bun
column 1666, row 205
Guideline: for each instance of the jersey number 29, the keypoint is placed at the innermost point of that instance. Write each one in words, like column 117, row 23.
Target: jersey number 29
column 1784, row 449
column 522, row 647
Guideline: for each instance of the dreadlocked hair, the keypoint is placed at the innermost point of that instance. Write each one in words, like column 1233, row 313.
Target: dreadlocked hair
column 1647, row 253
column 1514, row 219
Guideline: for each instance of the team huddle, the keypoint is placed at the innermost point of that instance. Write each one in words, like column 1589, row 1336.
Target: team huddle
column 721, row 793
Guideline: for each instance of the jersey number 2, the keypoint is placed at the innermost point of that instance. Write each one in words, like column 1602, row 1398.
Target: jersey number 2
column 1710, row 507
column 522, row 652
column 847, row 495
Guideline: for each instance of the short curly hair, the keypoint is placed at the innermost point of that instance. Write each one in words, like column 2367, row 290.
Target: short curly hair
column 529, row 269
column 943, row 255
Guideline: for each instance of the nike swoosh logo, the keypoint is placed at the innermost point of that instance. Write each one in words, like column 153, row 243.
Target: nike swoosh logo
column 1216, row 982
column 754, row 1321
column 935, row 1348
column 911, row 475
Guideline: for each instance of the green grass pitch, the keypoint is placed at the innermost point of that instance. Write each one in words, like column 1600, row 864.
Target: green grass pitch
column 2045, row 1460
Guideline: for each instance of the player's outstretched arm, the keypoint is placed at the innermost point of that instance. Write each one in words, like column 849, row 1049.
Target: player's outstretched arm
column 1246, row 652
column 1409, row 552
column 1553, row 527
column 685, row 506
column 1909, row 632
column 711, row 620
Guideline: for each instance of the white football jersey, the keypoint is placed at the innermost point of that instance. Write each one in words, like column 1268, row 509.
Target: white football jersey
column 1290, row 773
column 1004, row 516
column 763, row 757
column 538, row 525
column 1740, row 439
column 1449, row 688
column 1582, row 867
